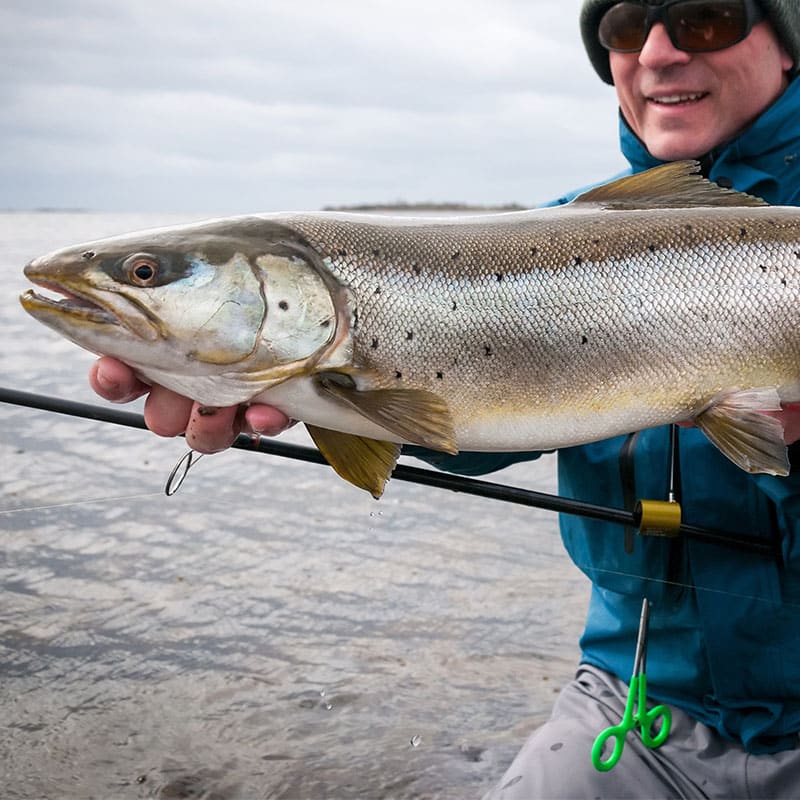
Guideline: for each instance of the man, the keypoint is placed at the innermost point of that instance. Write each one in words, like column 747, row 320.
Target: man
column 713, row 80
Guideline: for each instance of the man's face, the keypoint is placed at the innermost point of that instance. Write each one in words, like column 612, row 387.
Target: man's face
column 682, row 105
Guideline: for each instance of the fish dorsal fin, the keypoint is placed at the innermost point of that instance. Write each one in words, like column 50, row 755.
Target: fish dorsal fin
column 413, row 415
column 752, row 440
column 366, row 463
column 673, row 185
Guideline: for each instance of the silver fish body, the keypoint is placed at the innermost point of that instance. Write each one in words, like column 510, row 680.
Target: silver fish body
column 655, row 299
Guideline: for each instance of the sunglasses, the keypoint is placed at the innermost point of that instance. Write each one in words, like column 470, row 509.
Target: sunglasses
column 694, row 26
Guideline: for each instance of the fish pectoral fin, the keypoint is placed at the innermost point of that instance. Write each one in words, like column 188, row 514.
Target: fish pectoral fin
column 366, row 463
column 749, row 438
column 673, row 185
column 413, row 415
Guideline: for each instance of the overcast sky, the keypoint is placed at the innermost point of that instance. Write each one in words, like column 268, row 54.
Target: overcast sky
column 234, row 106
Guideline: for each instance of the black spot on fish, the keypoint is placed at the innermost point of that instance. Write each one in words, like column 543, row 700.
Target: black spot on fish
column 416, row 268
column 440, row 375
column 376, row 252
column 398, row 375
column 325, row 323
column 742, row 232
column 87, row 255
column 651, row 248
column 377, row 290
column 454, row 306
column 343, row 253
column 498, row 276
column 374, row 344
column 689, row 227
column 455, row 256
column 577, row 261
column 584, row 339
column 355, row 318
column 409, row 335
column 762, row 267
column 783, row 281
column 534, row 250
column 797, row 253
column 487, row 350
column 595, row 241
column 283, row 305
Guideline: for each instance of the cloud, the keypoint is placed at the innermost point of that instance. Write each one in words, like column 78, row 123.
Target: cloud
column 258, row 106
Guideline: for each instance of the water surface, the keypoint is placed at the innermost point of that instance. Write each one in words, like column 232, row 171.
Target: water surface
column 267, row 632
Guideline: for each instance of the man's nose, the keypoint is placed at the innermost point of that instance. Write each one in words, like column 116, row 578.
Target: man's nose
column 659, row 52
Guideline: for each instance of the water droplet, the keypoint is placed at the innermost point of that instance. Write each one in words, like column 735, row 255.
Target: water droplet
column 322, row 693
column 416, row 740
column 328, row 706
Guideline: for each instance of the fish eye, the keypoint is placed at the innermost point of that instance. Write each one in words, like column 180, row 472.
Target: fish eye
column 142, row 270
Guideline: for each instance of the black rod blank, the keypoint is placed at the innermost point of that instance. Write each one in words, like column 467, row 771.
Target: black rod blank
column 424, row 477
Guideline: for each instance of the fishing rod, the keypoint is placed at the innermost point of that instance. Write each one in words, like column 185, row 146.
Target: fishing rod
column 403, row 472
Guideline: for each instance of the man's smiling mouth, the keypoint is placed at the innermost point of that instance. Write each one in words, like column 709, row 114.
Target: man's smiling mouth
column 677, row 99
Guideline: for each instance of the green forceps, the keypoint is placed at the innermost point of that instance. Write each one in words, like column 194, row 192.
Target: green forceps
column 636, row 713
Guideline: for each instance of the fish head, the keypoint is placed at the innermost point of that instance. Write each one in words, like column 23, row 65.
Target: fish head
column 191, row 307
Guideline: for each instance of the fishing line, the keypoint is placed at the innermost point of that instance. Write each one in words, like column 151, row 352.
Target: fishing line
column 783, row 603
column 8, row 511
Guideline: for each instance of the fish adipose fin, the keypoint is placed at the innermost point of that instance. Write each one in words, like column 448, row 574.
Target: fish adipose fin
column 752, row 440
column 674, row 185
column 366, row 463
column 413, row 415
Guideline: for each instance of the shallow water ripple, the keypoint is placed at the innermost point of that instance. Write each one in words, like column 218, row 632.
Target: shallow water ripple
column 268, row 632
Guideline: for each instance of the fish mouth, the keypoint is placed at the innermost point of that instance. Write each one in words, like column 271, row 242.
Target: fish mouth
column 68, row 303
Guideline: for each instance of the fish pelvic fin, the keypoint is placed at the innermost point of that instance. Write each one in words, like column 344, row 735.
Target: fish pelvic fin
column 413, row 415
column 752, row 440
column 674, row 185
column 366, row 463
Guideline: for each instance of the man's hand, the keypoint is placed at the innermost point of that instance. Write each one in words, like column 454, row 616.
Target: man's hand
column 790, row 417
column 208, row 430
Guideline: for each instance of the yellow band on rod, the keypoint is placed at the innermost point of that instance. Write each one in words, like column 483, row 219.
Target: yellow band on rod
column 658, row 518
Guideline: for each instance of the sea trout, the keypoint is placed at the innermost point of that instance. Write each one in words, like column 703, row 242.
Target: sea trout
column 653, row 299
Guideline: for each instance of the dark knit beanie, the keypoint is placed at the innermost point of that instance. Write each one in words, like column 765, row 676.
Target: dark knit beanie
column 783, row 14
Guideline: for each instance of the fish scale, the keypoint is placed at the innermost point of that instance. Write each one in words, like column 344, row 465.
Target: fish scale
column 626, row 302
column 653, row 299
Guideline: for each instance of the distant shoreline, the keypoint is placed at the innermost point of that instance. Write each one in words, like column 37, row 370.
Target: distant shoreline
column 46, row 210
column 401, row 207
column 406, row 207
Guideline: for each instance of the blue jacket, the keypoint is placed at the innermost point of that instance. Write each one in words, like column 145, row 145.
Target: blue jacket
column 724, row 640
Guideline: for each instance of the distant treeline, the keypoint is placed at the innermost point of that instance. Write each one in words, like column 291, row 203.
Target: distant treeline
column 403, row 206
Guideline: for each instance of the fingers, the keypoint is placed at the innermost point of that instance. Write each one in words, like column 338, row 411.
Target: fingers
column 167, row 413
column 212, row 429
column 115, row 381
column 790, row 417
column 266, row 420
column 208, row 430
